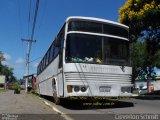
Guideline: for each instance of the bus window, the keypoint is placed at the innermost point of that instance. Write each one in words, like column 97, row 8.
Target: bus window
column 85, row 26
column 115, row 30
column 116, row 51
column 84, row 48
column 51, row 53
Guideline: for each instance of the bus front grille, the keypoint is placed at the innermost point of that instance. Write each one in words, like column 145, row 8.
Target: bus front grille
column 98, row 77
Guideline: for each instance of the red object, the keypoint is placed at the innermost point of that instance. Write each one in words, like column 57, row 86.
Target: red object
column 34, row 83
column 151, row 88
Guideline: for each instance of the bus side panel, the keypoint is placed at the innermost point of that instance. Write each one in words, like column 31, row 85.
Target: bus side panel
column 60, row 83
column 44, row 80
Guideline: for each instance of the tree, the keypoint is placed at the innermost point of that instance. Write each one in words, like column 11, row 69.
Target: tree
column 143, row 19
column 139, row 15
column 1, row 59
column 139, row 56
column 5, row 70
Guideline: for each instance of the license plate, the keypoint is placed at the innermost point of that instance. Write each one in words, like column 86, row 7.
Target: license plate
column 104, row 88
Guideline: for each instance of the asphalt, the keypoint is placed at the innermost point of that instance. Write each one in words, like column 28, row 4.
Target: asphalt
column 32, row 107
column 148, row 97
column 77, row 111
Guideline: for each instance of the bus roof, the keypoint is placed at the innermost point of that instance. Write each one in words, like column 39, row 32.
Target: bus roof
column 96, row 19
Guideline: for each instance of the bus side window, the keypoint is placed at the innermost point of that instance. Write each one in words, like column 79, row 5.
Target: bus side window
column 60, row 59
column 61, row 39
column 51, row 53
column 57, row 52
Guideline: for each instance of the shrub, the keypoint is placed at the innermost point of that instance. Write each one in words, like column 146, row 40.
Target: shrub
column 32, row 91
column 17, row 88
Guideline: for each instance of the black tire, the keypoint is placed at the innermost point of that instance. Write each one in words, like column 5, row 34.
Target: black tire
column 57, row 100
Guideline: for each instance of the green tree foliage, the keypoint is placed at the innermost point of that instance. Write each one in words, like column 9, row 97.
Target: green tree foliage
column 140, row 14
column 143, row 18
column 138, row 57
column 140, row 60
column 5, row 70
column 1, row 59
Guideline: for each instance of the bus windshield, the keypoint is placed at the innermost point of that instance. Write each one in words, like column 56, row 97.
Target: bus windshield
column 95, row 27
column 81, row 48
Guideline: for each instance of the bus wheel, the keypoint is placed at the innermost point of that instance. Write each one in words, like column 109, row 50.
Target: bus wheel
column 56, row 99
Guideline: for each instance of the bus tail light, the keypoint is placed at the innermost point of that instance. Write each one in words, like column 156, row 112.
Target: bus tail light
column 71, row 88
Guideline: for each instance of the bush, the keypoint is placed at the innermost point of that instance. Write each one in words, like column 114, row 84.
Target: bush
column 17, row 88
column 32, row 91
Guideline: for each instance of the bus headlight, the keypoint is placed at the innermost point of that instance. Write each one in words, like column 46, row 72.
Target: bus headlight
column 76, row 88
column 83, row 89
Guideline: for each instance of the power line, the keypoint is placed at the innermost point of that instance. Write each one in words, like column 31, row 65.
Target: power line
column 35, row 18
column 42, row 17
column 34, row 24
column 19, row 20
column 29, row 43
column 29, row 16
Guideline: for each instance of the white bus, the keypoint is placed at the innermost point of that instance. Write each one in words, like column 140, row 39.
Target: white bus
column 89, row 57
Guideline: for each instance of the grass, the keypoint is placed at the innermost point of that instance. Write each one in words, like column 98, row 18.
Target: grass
column 2, row 90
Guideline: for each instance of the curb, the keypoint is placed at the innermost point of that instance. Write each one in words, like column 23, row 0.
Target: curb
column 64, row 115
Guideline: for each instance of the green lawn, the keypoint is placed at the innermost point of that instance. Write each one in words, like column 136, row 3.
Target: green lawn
column 2, row 90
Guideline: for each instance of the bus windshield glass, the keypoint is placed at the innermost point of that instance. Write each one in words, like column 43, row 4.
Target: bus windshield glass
column 95, row 27
column 81, row 48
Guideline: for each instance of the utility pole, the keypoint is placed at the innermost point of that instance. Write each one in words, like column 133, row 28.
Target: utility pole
column 29, row 44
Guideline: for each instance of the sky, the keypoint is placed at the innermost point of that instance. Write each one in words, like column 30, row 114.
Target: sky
column 15, row 24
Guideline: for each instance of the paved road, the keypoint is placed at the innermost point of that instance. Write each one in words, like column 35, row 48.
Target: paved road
column 80, row 110
column 34, row 108
column 25, row 104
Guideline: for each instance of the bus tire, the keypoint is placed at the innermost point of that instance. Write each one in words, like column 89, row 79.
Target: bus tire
column 57, row 100
column 55, row 97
